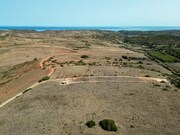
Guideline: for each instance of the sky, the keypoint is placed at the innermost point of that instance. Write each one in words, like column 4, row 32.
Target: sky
column 89, row 12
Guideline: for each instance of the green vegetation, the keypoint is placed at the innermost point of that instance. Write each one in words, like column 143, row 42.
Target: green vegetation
column 112, row 37
column 35, row 59
column 177, row 82
column 84, row 56
column 157, row 85
column 92, row 64
column 140, row 62
column 147, row 76
column 90, row 124
column 174, row 52
column 165, row 89
column 108, row 125
column 162, row 56
column 44, row 79
column 80, row 63
column 27, row 90
column 125, row 57
column 107, row 58
column 132, row 58
column 152, row 40
column 175, row 79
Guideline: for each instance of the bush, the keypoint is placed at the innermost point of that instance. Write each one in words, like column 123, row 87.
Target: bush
column 157, row 85
column 108, row 125
column 141, row 67
column 147, row 76
column 90, row 124
column 140, row 62
column 80, row 63
column 177, row 83
column 124, row 57
column 27, row 90
column 44, row 79
column 165, row 89
column 120, row 59
column 84, row 56
column 92, row 64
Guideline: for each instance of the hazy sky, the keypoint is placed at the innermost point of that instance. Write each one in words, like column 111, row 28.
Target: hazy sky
column 90, row 12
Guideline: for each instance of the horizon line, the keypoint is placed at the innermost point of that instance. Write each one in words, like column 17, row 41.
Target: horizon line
column 90, row 26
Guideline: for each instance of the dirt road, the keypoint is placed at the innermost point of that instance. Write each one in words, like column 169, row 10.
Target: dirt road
column 92, row 79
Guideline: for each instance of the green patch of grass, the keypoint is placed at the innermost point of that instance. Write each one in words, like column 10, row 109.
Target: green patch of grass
column 80, row 63
column 44, row 79
column 108, row 125
column 162, row 56
column 90, row 124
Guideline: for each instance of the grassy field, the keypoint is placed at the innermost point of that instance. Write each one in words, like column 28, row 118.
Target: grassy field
column 162, row 56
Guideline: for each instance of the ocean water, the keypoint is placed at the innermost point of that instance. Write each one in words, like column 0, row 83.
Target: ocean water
column 128, row 28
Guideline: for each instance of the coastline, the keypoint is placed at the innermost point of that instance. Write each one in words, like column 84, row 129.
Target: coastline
column 110, row 28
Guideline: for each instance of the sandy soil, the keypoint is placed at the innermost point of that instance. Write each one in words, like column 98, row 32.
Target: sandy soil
column 55, row 109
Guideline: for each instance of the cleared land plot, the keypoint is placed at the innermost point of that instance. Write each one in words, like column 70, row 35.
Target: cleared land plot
column 137, row 109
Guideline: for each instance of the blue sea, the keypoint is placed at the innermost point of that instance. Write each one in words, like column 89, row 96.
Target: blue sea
column 128, row 28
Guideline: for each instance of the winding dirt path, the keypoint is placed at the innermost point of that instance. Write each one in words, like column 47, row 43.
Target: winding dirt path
column 92, row 79
column 50, row 71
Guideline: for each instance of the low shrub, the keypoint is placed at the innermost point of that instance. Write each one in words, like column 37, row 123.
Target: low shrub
column 157, row 85
column 44, row 79
column 84, row 56
column 124, row 57
column 90, row 124
column 147, row 76
column 165, row 89
column 120, row 59
column 92, row 64
column 141, row 67
column 140, row 62
column 80, row 63
column 108, row 125
column 27, row 90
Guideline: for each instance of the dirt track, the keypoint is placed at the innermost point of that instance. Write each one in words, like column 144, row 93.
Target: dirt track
column 94, row 79
column 52, row 108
